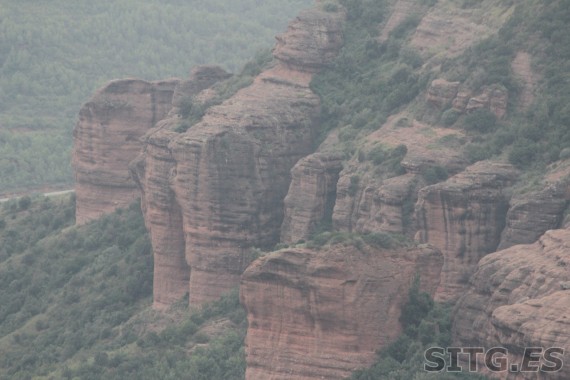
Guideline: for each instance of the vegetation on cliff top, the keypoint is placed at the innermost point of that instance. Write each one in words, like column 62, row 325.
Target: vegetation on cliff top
column 373, row 78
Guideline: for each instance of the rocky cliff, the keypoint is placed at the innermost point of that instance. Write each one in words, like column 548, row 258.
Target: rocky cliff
column 106, row 139
column 519, row 297
column 464, row 217
column 311, row 196
column 532, row 214
column 214, row 192
column 323, row 314
column 219, row 178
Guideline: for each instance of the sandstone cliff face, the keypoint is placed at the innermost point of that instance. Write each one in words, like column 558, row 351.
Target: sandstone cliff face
column 227, row 176
column 311, row 195
column 322, row 314
column 519, row 297
column 367, row 201
column 464, row 217
column 106, row 139
column 531, row 215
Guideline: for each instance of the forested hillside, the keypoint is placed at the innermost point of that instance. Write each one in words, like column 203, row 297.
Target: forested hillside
column 54, row 54
column 76, row 303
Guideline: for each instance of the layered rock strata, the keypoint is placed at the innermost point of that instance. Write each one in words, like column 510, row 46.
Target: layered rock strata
column 106, row 139
column 323, row 314
column 311, row 196
column 464, row 217
column 371, row 197
column 227, row 176
column 519, row 297
column 532, row 214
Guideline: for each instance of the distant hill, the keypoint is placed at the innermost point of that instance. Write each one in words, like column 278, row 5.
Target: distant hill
column 54, row 54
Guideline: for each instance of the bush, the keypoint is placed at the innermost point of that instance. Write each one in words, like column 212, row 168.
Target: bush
column 330, row 7
column 417, row 308
column 523, row 153
column 481, row 120
column 24, row 203
column 379, row 240
column 353, row 186
column 449, row 117
column 435, row 174
column 377, row 155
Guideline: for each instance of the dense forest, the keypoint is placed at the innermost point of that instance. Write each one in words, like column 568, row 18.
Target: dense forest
column 54, row 55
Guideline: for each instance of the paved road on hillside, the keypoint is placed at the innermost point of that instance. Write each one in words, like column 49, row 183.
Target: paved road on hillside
column 50, row 194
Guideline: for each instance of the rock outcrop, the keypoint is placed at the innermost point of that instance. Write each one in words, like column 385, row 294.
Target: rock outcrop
column 441, row 92
column 532, row 214
column 518, row 299
column 226, row 177
column 106, row 139
column 323, row 314
column 495, row 98
column 369, row 199
column 311, row 196
column 464, row 217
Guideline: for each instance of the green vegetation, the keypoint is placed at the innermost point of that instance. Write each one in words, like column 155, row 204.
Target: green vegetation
column 76, row 303
column 54, row 55
column 426, row 324
column 369, row 80
column 375, row 239
column 435, row 174
column 192, row 111
column 533, row 137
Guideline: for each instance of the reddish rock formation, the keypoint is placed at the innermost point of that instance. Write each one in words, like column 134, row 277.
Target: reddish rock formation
column 163, row 218
column 441, row 92
column 461, row 100
column 493, row 97
column 369, row 200
column 518, row 299
column 371, row 205
column 532, row 214
column 228, row 175
column 464, row 217
column 311, row 41
column 323, row 314
column 106, row 139
column 311, row 195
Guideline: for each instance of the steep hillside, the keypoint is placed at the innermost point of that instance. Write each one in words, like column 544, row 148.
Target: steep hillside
column 384, row 140
column 76, row 303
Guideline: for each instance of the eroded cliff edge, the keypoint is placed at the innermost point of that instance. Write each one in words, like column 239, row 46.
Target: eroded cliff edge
column 212, row 193
column 317, row 314
column 519, row 297
column 106, row 139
